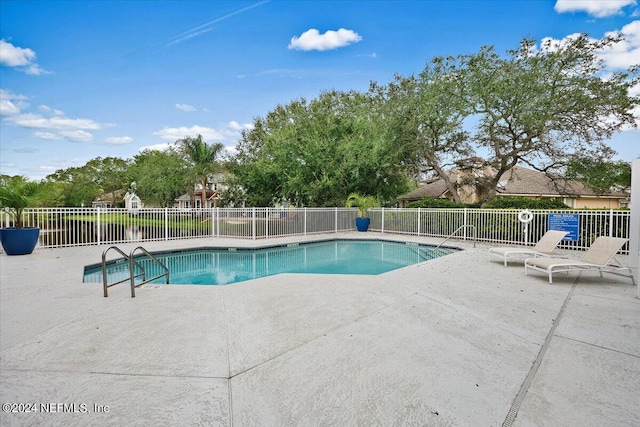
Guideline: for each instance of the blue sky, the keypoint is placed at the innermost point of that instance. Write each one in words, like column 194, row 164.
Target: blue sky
column 82, row 79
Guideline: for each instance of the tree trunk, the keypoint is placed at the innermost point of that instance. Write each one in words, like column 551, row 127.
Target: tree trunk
column 203, row 196
column 450, row 185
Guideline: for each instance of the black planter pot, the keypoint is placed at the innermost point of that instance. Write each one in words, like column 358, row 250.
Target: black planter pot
column 362, row 224
column 19, row 241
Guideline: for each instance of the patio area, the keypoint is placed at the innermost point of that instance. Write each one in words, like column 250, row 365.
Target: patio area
column 455, row 341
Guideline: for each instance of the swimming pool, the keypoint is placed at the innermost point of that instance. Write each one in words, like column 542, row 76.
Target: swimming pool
column 208, row 266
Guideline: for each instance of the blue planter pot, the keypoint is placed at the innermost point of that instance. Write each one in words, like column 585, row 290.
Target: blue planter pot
column 362, row 224
column 19, row 241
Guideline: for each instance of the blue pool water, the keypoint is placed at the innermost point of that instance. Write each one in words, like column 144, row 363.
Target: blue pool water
column 225, row 266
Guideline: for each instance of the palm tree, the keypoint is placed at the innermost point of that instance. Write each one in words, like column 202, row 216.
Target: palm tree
column 203, row 158
column 17, row 193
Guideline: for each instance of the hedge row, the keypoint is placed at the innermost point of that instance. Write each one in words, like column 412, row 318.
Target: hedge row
column 497, row 203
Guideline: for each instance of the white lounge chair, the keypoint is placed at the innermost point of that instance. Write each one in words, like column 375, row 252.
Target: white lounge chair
column 597, row 257
column 546, row 247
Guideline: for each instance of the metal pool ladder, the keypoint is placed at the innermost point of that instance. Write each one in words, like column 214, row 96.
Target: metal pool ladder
column 475, row 234
column 132, row 266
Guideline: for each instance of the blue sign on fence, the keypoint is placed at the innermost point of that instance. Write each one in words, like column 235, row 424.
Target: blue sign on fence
column 566, row 222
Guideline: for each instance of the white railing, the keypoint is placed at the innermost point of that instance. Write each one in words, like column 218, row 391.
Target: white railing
column 500, row 226
column 61, row 227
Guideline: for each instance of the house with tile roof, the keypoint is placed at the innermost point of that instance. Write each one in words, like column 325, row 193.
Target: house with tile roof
column 518, row 182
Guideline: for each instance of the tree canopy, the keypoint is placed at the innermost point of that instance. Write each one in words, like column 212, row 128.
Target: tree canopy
column 425, row 113
column 600, row 176
column 82, row 185
column 160, row 176
column 542, row 107
column 315, row 153
column 537, row 106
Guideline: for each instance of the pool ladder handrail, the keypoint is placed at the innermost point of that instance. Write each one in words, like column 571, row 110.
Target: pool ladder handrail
column 132, row 264
column 475, row 234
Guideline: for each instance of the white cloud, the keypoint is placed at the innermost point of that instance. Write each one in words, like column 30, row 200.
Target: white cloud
column 47, row 135
column 173, row 134
column 13, row 56
column 625, row 53
column 51, row 111
column 233, row 125
column 313, row 40
column 597, row 8
column 12, row 104
column 164, row 146
column 77, row 135
column 21, row 58
column 118, row 140
column 618, row 56
column 37, row 121
column 8, row 108
column 36, row 70
column 227, row 133
column 49, row 123
column 186, row 107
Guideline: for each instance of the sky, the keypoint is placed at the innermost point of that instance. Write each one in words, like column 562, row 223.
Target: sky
column 97, row 78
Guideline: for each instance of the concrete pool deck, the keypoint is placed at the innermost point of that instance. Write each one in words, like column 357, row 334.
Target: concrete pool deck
column 455, row 341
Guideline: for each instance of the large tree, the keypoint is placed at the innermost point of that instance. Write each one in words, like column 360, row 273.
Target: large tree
column 543, row 106
column 204, row 160
column 315, row 153
column 600, row 176
column 160, row 176
column 426, row 114
column 110, row 173
column 78, row 185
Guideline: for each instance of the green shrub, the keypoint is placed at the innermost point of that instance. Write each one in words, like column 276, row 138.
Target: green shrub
column 524, row 203
column 434, row 202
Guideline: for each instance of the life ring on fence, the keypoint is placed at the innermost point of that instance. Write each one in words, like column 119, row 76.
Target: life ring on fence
column 525, row 216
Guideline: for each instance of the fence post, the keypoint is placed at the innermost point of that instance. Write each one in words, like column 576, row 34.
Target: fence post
column 253, row 223
column 305, row 221
column 634, row 221
column 98, row 225
column 166, row 223
column 336, row 219
column 464, row 223
column 418, row 229
column 610, row 222
column 217, row 224
column 267, row 215
column 213, row 224
column 382, row 221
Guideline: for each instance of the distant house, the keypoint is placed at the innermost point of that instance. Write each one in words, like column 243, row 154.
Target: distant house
column 517, row 182
column 215, row 188
column 132, row 201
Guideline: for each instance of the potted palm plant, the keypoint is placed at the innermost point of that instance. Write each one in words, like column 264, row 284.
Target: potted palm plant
column 16, row 193
column 362, row 203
